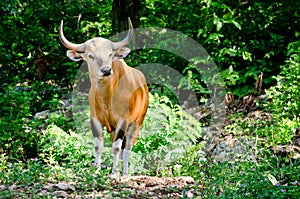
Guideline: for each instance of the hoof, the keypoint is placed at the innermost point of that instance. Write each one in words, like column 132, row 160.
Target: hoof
column 115, row 176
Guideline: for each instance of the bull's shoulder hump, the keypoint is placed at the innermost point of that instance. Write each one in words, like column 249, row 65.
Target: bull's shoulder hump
column 121, row 65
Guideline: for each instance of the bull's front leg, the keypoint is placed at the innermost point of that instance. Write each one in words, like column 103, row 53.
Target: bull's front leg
column 119, row 135
column 116, row 148
column 98, row 139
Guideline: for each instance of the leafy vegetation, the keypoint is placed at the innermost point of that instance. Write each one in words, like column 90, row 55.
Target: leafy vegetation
column 244, row 38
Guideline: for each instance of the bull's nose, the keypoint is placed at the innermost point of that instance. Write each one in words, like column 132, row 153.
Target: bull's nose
column 106, row 70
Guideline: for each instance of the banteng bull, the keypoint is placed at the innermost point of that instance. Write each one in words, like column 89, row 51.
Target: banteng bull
column 118, row 95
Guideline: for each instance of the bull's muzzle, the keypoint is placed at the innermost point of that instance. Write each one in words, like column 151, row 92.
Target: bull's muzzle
column 106, row 71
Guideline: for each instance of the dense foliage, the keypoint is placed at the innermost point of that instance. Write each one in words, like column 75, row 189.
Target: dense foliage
column 244, row 38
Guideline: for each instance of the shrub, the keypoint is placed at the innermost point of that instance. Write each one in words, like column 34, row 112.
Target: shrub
column 285, row 93
column 19, row 129
column 284, row 106
column 19, row 134
column 167, row 133
column 58, row 147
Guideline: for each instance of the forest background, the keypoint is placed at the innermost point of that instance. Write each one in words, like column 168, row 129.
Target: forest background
column 243, row 38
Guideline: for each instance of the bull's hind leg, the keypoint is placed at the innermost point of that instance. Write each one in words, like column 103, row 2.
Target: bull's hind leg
column 98, row 139
column 131, row 136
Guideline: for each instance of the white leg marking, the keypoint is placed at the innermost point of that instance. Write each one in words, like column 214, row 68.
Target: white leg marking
column 126, row 157
column 98, row 149
column 116, row 148
column 98, row 139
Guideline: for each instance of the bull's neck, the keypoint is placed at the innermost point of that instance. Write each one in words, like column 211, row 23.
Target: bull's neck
column 100, row 94
column 105, row 86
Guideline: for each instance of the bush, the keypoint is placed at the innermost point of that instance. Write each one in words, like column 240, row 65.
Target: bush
column 19, row 128
column 58, row 147
column 19, row 134
column 284, row 106
column 285, row 93
column 167, row 133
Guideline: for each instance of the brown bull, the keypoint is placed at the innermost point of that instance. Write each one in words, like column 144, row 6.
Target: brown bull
column 118, row 96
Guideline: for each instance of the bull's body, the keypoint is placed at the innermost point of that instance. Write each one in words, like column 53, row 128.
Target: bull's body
column 118, row 96
column 122, row 96
column 119, row 103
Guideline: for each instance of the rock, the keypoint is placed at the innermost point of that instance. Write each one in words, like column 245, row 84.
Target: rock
column 2, row 187
column 12, row 187
column 65, row 108
column 60, row 194
column 233, row 148
column 151, row 193
column 187, row 179
column 190, row 194
column 65, row 187
column 42, row 115
column 49, row 187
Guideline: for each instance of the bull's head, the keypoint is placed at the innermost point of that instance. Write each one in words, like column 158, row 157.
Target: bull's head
column 98, row 52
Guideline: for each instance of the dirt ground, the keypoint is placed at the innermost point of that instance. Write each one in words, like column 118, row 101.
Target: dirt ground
column 128, row 187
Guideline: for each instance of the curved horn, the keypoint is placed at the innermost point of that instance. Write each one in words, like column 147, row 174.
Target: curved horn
column 126, row 40
column 67, row 44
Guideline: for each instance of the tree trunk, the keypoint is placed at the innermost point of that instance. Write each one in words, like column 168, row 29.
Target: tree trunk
column 121, row 10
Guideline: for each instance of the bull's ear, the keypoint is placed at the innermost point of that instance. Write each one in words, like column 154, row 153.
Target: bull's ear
column 122, row 52
column 73, row 55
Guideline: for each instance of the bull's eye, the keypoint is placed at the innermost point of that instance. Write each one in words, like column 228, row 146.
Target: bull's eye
column 91, row 56
column 110, row 55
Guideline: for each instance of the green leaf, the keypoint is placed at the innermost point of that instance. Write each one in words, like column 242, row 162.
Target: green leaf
column 219, row 25
column 272, row 179
column 237, row 25
column 247, row 56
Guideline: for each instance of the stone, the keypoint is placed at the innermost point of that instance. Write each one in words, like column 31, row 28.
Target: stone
column 65, row 187
column 60, row 194
column 2, row 187
column 234, row 148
